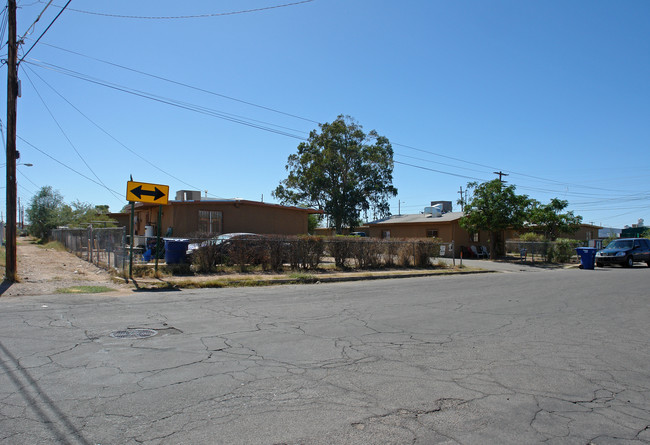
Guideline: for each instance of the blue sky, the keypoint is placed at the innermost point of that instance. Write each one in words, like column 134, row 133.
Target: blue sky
column 554, row 93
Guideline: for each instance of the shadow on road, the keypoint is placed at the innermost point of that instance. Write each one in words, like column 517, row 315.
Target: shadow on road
column 4, row 287
column 158, row 286
column 57, row 422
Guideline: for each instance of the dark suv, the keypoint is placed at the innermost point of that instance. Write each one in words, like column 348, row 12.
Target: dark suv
column 625, row 251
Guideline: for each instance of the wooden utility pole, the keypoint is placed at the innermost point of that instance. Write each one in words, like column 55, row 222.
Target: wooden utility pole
column 501, row 174
column 12, row 98
column 462, row 202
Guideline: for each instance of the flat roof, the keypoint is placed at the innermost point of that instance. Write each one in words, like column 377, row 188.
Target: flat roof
column 142, row 205
column 422, row 218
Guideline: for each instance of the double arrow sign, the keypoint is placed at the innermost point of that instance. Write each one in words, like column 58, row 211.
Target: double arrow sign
column 143, row 192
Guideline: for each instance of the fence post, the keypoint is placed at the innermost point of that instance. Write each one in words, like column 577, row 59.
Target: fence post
column 89, row 234
column 453, row 254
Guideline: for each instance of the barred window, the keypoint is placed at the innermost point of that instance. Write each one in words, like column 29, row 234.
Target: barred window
column 210, row 221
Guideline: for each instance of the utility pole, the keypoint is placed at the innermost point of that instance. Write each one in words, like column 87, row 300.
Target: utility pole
column 12, row 95
column 501, row 174
column 462, row 202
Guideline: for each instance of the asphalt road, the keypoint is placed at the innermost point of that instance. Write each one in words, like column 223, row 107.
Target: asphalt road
column 553, row 356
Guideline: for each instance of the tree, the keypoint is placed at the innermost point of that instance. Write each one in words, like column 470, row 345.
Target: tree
column 83, row 214
column 494, row 208
column 312, row 223
column 45, row 212
column 341, row 170
column 547, row 219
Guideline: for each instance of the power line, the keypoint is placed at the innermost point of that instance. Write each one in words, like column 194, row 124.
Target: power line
column 179, row 104
column 316, row 122
column 438, row 171
column 65, row 165
column 114, row 138
column 214, row 113
column 33, row 25
column 440, row 163
column 67, row 138
column 46, row 29
column 197, row 16
column 247, row 121
column 3, row 27
column 202, row 90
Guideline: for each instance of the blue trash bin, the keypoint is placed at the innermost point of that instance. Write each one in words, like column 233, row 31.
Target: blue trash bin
column 587, row 257
column 175, row 250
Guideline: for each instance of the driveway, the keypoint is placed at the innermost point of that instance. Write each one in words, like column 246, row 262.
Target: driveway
column 511, row 265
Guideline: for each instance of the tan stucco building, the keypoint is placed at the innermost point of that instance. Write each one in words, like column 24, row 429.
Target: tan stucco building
column 184, row 218
column 427, row 225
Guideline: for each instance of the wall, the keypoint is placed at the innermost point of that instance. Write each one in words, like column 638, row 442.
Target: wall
column 447, row 232
column 243, row 216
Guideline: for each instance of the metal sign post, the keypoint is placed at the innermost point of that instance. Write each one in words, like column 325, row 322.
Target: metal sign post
column 158, row 239
column 131, row 240
column 145, row 192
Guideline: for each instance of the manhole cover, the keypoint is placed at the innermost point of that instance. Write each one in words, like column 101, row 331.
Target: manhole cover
column 134, row 333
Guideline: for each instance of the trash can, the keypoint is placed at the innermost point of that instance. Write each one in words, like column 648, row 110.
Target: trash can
column 175, row 250
column 587, row 257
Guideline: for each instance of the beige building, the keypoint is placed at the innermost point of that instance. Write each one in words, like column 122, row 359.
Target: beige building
column 428, row 225
column 446, row 226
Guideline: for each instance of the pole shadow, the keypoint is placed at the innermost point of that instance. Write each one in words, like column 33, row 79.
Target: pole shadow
column 4, row 287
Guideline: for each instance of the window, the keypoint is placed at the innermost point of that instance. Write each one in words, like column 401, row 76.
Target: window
column 475, row 237
column 432, row 233
column 210, row 221
column 385, row 234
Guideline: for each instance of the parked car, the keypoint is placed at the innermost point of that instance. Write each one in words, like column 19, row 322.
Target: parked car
column 231, row 248
column 220, row 239
column 624, row 251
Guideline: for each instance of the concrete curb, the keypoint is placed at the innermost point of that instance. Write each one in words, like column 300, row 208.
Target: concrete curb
column 161, row 284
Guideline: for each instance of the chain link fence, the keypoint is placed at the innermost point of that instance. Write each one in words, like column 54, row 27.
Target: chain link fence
column 104, row 247
column 544, row 251
column 108, row 248
column 275, row 252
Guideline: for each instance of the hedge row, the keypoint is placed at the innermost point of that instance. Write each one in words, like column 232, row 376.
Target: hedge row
column 307, row 253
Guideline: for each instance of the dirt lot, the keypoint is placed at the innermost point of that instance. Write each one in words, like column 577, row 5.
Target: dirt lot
column 44, row 271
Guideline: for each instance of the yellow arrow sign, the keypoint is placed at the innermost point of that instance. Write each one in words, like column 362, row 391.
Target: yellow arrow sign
column 143, row 192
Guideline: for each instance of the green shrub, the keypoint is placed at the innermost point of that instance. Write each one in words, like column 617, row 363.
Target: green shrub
column 562, row 250
column 531, row 237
